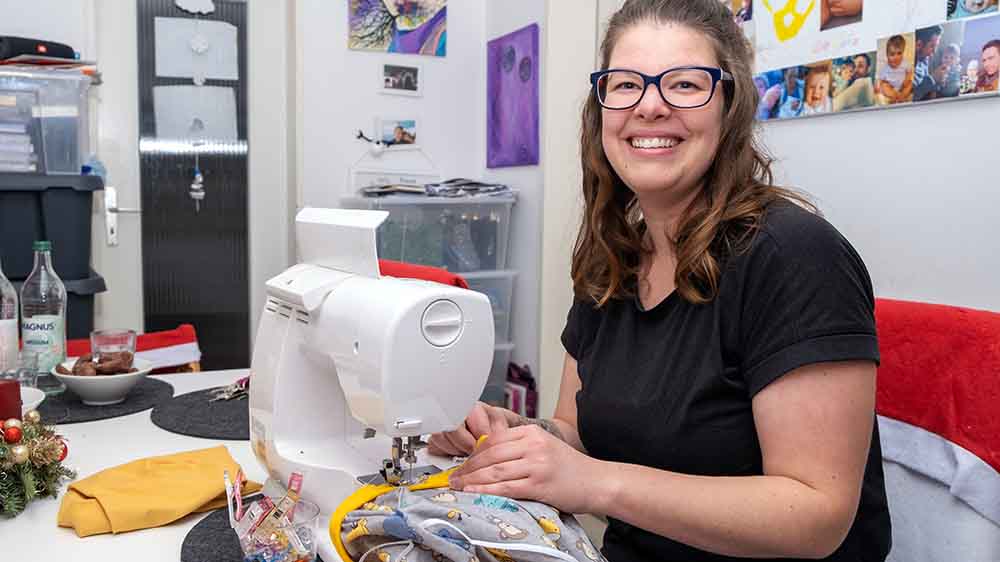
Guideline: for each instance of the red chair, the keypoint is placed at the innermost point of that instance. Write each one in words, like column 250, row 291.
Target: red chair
column 171, row 351
column 937, row 394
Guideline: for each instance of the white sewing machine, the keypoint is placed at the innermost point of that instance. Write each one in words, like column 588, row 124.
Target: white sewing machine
column 350, row 369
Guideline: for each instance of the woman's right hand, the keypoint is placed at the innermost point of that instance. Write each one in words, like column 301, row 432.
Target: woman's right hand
column 483, row 420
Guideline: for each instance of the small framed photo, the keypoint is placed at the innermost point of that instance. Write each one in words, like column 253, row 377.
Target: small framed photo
column 401, row 79
column 397, row 134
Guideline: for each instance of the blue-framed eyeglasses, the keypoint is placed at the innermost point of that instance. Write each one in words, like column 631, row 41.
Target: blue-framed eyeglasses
column 683, row 87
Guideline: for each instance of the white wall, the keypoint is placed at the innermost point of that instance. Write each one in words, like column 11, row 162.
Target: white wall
column 503, row 17
column 269, row 87
column 570, row 42
column 914, row 189
column 339, row 96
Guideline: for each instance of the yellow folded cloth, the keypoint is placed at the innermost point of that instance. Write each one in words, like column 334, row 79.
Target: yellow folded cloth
column 149, row 492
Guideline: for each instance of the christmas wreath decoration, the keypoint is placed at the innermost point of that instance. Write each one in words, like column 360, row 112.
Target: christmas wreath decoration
column 31, row 456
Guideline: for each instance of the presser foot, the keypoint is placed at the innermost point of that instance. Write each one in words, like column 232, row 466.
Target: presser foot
column 405, row 477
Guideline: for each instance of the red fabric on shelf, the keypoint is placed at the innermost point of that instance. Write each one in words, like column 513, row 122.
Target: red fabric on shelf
column 182, row 334
column 427, row 273
column 940, row 371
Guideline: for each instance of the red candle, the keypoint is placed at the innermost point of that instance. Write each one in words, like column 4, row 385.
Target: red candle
column 10, row 400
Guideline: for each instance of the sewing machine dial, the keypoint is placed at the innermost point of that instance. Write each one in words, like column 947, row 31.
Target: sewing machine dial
column 442, row 323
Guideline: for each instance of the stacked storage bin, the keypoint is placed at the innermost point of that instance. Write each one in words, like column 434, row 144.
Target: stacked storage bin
column 54, row 208
column 466, row 235
column 44, row 134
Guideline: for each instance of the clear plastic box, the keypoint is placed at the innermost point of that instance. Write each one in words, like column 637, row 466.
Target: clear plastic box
column 493, row 393
column 59, row 126
column 458, row 234
column 17, row 152
column 499, row 287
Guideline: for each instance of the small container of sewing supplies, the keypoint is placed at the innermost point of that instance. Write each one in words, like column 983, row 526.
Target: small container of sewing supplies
column 274, row 530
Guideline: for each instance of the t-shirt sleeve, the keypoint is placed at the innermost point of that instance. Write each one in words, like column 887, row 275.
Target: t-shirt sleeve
column 571, row 333
column 807, row 299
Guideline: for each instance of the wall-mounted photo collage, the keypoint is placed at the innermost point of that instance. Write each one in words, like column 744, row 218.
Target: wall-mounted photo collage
column 956, row 58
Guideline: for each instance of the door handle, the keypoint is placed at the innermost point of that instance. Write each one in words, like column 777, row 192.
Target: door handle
column 111, row 212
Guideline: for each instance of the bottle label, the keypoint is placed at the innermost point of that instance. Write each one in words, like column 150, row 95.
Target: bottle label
column 8, row 344
column 44, row 336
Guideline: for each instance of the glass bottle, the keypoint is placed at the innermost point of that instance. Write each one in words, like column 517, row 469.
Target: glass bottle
column 8, row 324
column 43, row 317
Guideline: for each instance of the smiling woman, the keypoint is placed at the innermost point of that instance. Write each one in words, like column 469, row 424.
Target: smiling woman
column 717, row 398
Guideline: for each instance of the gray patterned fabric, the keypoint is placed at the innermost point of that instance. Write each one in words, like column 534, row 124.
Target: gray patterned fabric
column 437, row 525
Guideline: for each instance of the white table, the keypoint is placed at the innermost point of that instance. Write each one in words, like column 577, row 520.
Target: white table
column 95, row 446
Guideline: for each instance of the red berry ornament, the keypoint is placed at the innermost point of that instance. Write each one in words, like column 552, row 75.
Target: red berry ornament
column 12, row 435
column 65, row 451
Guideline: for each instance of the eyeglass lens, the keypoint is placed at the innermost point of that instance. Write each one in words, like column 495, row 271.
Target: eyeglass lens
column 621, row 89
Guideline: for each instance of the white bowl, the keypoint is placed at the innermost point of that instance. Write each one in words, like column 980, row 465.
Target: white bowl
column 104, row 390
column 30, row 399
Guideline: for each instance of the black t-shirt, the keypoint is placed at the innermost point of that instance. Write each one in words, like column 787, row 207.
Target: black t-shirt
column 671, row 387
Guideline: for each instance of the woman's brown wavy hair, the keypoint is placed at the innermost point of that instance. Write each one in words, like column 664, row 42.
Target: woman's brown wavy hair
column 737, row 187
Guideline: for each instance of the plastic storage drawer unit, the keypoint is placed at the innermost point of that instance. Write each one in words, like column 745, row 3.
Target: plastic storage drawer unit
column 458, row 234
column 55, row 208
column 499, row 287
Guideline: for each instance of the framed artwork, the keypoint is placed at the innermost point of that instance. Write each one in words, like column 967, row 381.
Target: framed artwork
column 397, row 134
column 401, row 79
column 512, row 99
column 416, row 27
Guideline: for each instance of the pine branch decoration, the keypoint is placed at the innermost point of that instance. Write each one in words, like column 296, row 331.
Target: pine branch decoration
column 28, row 484
column 12, row 499
column 41, row 475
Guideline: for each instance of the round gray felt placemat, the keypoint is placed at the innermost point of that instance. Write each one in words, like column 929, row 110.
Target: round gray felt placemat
column 212, row 540
column 67, row 407
column 194, row 414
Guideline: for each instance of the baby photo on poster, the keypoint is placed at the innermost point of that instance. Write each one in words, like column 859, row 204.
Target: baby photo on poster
column 894, row 70
column 853, row 86
column 818, row 83
column 937, row 73
column 781, row 93
column 835, row 13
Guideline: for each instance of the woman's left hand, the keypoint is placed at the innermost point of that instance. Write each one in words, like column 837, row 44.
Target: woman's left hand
column 527, row 462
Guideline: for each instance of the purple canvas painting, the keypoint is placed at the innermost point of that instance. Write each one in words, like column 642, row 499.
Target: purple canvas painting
column 512, row 99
